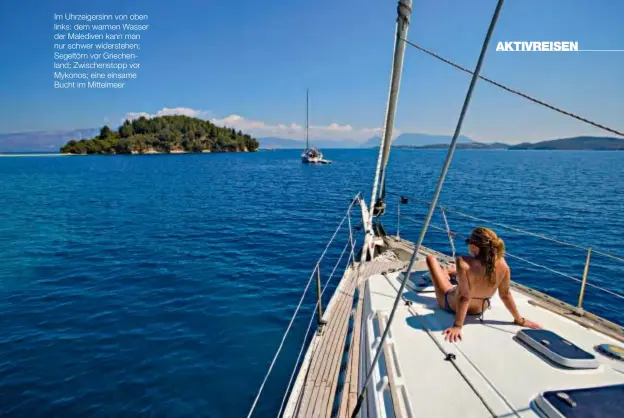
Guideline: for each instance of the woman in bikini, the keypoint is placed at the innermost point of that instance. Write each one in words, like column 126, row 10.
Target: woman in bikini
column 478, row 278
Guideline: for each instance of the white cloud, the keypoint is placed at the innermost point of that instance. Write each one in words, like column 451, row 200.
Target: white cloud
column 186, row 111
column 135, row 115
column 169, row 111
column 333, row 131
column 333, row 127
column 239, row 122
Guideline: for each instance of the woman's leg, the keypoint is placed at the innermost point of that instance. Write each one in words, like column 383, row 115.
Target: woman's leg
column 440, row 278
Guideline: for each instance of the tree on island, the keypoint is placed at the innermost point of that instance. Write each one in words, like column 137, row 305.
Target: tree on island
column 105, row 132
column 163, row 134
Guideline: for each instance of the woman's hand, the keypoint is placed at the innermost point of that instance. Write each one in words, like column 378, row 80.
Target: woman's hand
column 527, row 323
column 530, row 324
column 452, row 334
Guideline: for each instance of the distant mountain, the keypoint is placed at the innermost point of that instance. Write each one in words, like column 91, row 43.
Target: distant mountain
column 472, row 145
column 41, row 141
column 577, row 143
column 498, row 145
column 418, row 140
column 285, row 143
column 372, row 142
column 272, row 142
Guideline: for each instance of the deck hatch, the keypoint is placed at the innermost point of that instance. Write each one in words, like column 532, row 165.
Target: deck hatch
column 610, row 350
column 604, row 401
column 557, row 349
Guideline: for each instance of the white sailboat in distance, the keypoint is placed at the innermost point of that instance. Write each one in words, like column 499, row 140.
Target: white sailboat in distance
column 311, row 155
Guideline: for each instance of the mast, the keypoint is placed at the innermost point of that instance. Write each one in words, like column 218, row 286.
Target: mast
column 307, row 117
column 403, row 20
column 432, row 205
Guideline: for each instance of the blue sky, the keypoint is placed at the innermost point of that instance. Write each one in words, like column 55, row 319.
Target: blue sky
column 248, row 62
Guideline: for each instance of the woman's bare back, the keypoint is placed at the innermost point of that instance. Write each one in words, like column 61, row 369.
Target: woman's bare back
column 481, row 288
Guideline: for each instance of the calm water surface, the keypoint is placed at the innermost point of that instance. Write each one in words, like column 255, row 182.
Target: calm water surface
column 161, row 285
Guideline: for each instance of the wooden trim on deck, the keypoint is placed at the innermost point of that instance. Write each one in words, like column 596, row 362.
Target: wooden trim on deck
column 318, row 392
column 350, row 388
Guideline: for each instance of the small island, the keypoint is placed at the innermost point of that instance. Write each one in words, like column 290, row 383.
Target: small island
column 164, row 135
column 471, row 145
column 579, row 143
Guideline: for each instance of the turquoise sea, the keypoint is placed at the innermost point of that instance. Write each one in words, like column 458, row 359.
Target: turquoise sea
column 161, row 285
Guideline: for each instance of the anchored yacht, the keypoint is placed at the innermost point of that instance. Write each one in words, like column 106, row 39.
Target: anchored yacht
column 377, row 349
column 311, row 155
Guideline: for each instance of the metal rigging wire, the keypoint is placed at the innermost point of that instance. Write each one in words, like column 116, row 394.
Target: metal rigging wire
column 516, row 92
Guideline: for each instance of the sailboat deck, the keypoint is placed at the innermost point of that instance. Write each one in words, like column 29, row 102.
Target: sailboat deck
column 493, row 373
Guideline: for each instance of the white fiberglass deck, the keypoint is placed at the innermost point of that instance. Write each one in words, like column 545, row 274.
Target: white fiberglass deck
column 498, row 370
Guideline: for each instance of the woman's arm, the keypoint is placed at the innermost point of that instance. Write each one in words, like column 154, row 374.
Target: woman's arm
column 453, row 334
column 504, row 291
